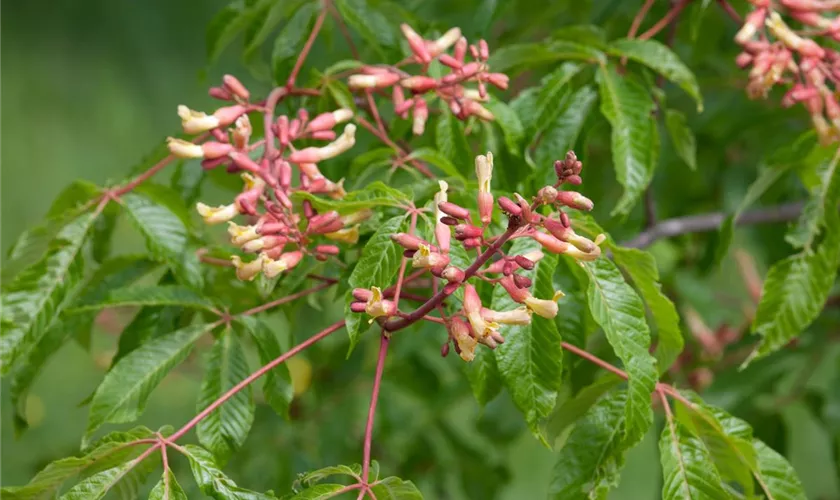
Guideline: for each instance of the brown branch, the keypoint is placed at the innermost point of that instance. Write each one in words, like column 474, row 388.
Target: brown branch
column 709, row 222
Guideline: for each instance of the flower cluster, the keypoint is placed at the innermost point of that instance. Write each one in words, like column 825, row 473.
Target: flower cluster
column 463, row 102
column 776, row 54
column 276, row 232
column 473, row 323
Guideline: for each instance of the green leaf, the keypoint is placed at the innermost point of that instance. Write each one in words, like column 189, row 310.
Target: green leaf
column 108, row 452
column 269, row 19
column 375, row 194
column 627, row 106
column 793, row 295
column 682, row 137
column 573, row 319
column 223, row 28
column 766, row 178
column 507, row 119
column 661, row 59
column 687, row 467
column 562, row 133
column 439, row 160
column 621, row 313
column 315, row 476
column 369, row 22
column 341, row 94
column 641, row 266
column 122, row 395
column 590, row 461
column 531, row 359
column 483, row 375
column 96, row 486
column 226, row 428
column 166, row 237
column 277, row 386
column 168, row 488
column 394, row 488
column 572, row 409
column 737, row 454
column 290, row 40
column 452, row 142
column 319, row 492
column 212, row 481
column 533, row 54
column 548, row 104
column 37, row 295
column 813, row 217
column 149, row 295
column 377, row 266
column 780, row 479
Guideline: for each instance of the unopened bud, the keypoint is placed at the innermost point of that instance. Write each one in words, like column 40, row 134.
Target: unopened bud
column 380, row 80
column 524, row 262
column 327, row 249
column 362, row 294
column 547, row 195
column 452, row 274
column 450, row 61
column 509, row 206
column 575, row 200
column 220, row 93
column 549, row 242
column 444, row 349
column 454, row 210
column 450, row 221
column 521, row 281
column 419, row 84
column 184, row 149
column 440, row 45
column 409, row 241
column 472, row 108
column 326, row 121
column 244, row 162
column 232, row 84
column 358, row 307
column 416, row 43
column 464, row 231
column 499, row 80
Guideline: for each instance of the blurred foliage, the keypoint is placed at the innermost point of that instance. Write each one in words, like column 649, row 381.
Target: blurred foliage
column 91, row 87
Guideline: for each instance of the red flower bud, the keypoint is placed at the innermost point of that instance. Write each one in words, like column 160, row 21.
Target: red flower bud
column 452, row 274
column 229, row 114
column 327, row 249
column 464, row 231
column 244, row 162
column 235, row 87
column 220, row 93
column 509, row 206
column 449, row 221
column 409, row 241
column 521, row 281
column 325, row 220
column 575, row 200
column 419, row 84
column 358, row 307
column 524, row 262
column 362, row 294
column 450, row 61
column 549, row 242
column 454, row 210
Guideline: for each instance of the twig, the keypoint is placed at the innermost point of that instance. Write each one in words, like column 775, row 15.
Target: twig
column 711, row 221
column 288, row 298
column 400, row 323
column 640, row 16
column 388, row 142
column 666, row 19
column 150, row 172
column 254, row 376
column 307, row 47
column 730, row 11
column 380, row 366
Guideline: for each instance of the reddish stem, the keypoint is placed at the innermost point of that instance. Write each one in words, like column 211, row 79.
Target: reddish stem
column 374, row 112
column 254, row 376
column 307, row 47
column 380, row 367
column 152, row 171
column 288, row 298
column 343, row 29
column 395, row 324
column 274, row 97
column 666, row 19
column 730, row 11
column 404, row 261
column 388, row 142
column 640, row 16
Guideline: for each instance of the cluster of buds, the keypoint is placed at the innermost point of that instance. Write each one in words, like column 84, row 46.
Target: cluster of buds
column 463, row 102
column 777, row 54
column 277, row 232
column 473, row 323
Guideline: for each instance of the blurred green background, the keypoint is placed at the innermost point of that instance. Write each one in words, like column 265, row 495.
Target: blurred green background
column 89, row 87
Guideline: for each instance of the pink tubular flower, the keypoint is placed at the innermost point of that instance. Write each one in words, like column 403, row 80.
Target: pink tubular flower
column 376, row 81
column 464, row 342
column 335, row 148
column 235, row 87
column 326, row 121
column 376, row 306
column 247, row 271
column 409, row 241
column 442, row 234
column 575, row 200
column 425, row 258
column 518, row 316
column 454, row 210
column 419, row 84
column 285, row 262
column 416, row 43
column 484, row 172
column 421, row 115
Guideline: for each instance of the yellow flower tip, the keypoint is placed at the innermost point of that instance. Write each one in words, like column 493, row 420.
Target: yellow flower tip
column 558, row 294
column 273, row 268
column 247, row 271
column 600, row 239
column 348, row 235
column 217, row 215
